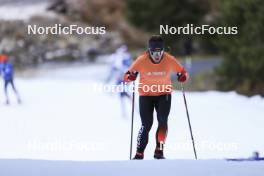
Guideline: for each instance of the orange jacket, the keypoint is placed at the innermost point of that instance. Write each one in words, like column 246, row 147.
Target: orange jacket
column 155, row 79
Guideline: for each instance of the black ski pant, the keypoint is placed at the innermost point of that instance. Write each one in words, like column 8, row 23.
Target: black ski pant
column 147, row 104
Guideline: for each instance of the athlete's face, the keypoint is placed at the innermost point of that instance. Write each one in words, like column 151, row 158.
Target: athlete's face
column 156, row 55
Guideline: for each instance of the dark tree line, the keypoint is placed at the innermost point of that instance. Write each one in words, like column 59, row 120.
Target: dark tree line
column 243, row 66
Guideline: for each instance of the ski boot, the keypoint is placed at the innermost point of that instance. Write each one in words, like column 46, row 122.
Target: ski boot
column 158, row 154
column 139, row 156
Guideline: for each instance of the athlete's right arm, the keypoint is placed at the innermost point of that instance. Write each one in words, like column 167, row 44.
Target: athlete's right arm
column 134, row 69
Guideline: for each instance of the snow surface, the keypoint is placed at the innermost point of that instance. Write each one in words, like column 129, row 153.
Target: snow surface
column 62, row 118
column 130, row 168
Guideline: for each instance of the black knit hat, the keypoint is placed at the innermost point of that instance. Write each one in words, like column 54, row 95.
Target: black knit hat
column 156, row 43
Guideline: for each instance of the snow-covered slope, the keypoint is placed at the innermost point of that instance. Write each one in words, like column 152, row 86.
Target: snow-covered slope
column 62, row 118
column 130, row 168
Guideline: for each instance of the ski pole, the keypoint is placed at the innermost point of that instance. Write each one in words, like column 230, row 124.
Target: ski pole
column 189, row 122
column 132, row 119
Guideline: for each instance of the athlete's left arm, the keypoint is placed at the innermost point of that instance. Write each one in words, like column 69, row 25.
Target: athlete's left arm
column 179, row 70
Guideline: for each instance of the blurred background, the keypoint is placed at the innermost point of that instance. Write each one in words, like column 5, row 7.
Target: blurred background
column 54, row 74
column 231, row 62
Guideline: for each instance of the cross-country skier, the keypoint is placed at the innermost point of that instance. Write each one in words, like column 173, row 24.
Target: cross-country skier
column 254, row 157
column 121, row 62
column 7, row 72
column 121, row 59
column 155, row 68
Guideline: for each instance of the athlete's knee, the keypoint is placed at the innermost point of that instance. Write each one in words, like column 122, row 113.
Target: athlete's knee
column 145, row 128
